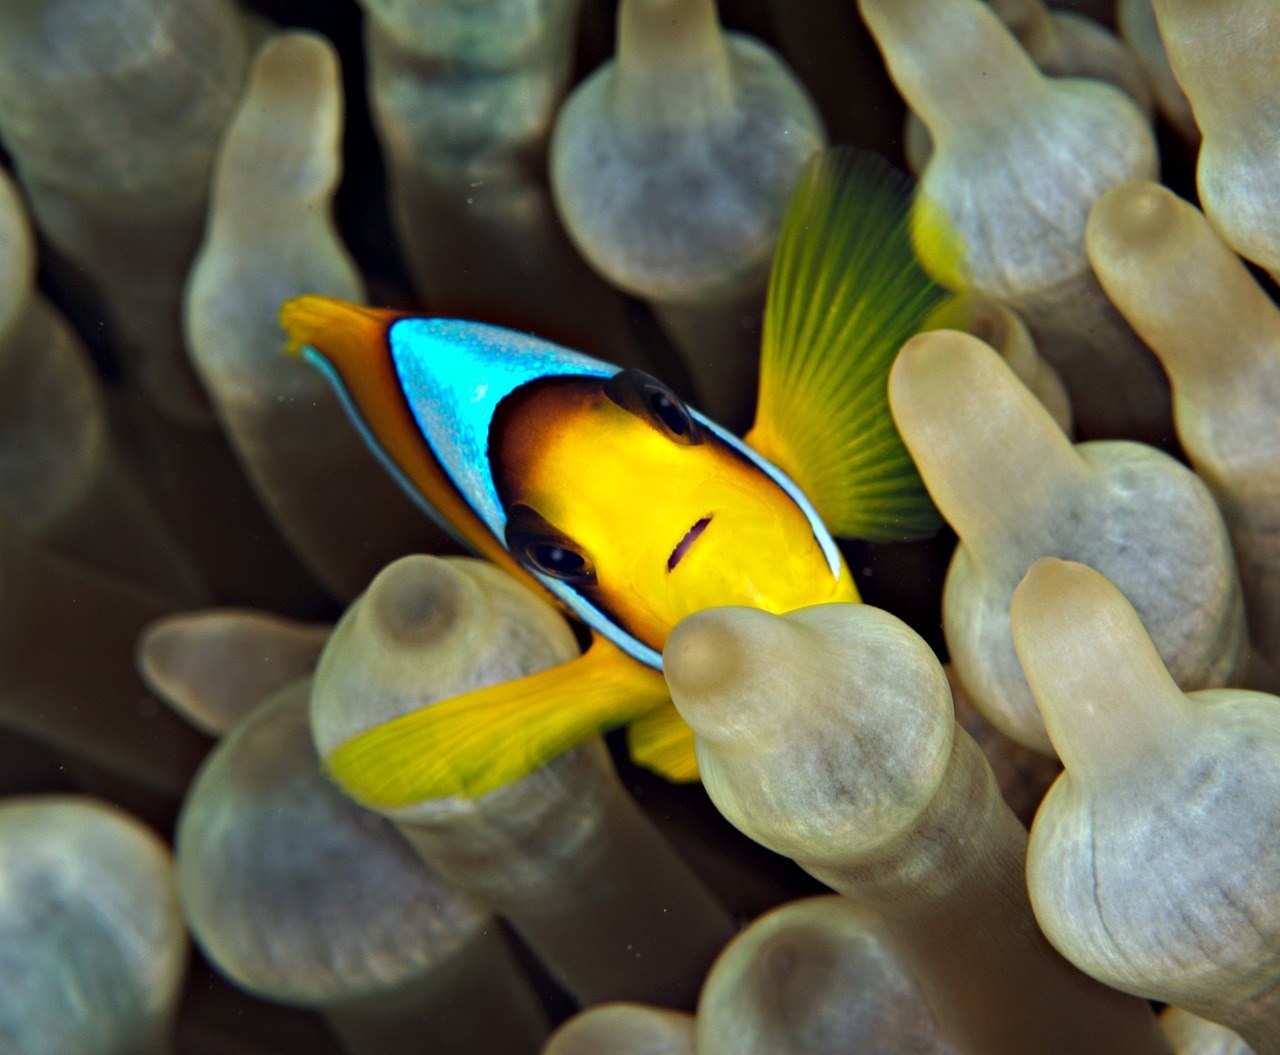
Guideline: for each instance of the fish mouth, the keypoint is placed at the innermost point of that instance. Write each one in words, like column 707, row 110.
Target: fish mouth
column 682, row 547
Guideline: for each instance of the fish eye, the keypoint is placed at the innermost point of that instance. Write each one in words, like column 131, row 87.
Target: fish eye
column 649, row 399
column 553, row 560
column 538, row 545
column 674, row 416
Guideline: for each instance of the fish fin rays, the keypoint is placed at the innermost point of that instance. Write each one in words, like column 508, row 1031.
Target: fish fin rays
column 848, row 288
column 662, row 741
column 475, row 743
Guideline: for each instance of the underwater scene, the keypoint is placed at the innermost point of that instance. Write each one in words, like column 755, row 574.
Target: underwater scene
column 639, row 527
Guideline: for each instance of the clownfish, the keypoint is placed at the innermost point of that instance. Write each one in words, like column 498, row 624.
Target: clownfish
column 600, row 487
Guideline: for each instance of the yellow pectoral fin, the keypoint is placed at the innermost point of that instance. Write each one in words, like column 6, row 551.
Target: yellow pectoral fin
column 472, row 744
column 849, row 286
column 662, row 741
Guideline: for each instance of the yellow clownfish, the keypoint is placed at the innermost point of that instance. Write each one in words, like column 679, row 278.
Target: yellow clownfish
column 600, row 487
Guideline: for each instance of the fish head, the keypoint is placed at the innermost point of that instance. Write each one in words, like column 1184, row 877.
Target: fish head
column 637, row 509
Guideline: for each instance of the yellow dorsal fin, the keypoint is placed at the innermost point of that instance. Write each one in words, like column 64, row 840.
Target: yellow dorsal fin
column 847, row 290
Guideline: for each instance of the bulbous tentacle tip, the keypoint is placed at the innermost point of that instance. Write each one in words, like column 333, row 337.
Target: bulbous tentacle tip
column 295, row 61
column 620, row 1027
column 928, row 365
column 214, row 665
column 1135, row 211
column 707, row 657
column 419, row 600
column 1057, row 608
column 89, row 917
column 1057, row 598
column 1099, row 682
column 935, row 371
column 1064, row 582
column 281, row 153
column 922, row 377
column 984, row 445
